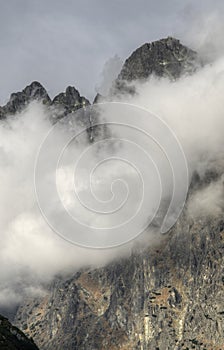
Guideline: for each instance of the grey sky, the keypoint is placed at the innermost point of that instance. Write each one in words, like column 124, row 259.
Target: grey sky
column 67, row 42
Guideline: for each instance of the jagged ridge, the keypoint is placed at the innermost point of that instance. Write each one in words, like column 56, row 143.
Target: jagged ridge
column 68, row 101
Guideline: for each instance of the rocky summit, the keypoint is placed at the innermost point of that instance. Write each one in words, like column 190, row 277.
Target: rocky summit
column 166, row 297
column 165, row 57
column 70, row 100
column 162, row 58
column 65, row 102
column 19, row 100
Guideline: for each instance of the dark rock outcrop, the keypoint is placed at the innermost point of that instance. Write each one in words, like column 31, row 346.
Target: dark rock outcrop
column 66, row 102
column 11, row 338
column 70, row 100
column 19, row 100
column 163, row 58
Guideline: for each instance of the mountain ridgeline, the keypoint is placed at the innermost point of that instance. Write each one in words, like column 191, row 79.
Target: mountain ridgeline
column 166, row 297
column 68, row 101
column 163, row 58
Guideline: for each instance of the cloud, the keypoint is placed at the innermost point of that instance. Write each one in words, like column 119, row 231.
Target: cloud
column 31, row 254
column 208, row 201
column 110, row 72
column 192, row 106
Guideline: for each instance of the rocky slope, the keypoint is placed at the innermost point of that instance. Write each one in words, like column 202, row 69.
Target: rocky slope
column 167, row 297
column 11, row 338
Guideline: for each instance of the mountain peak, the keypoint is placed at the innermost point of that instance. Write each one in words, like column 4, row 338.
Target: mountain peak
column 70, row 100
column 36, row 90
column 164, row 57
column 18, row 100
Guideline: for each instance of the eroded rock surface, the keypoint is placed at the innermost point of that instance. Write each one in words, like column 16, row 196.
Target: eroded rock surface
column 167, row 297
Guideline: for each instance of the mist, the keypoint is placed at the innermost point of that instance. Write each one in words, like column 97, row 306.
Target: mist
column 31, row 253
column 193, row 108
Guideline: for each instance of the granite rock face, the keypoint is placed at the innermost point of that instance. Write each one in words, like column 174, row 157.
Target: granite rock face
column 11, row 338
column 169, row 297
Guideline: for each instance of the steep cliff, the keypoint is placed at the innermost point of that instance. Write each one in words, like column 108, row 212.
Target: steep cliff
column 166, row 297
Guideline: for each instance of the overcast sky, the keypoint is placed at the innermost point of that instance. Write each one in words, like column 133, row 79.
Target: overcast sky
column 61, row 43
